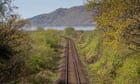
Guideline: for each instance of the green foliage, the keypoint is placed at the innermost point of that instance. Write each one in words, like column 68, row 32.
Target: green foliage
column 112, row 50
column 20, row 61
column 44, row 57
column 129, row 72
column 41, row 59
column 52, row 38
column 69, row 31
column 14, row 42
column 108, row 56
column 40, row 28
column 119, row 21
column 104, row 64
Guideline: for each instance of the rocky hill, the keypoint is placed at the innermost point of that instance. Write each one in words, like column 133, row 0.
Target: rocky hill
column 75, row 16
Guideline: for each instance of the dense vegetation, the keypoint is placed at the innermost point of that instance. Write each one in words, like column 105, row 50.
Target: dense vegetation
column 112, row 51
column 44, row 56
column 32, row 58
column 26, row 56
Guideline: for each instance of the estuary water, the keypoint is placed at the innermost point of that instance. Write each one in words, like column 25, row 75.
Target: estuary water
column 63, row 27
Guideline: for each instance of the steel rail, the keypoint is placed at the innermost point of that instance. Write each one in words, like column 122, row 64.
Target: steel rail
column 75, row 65
column 67, row 61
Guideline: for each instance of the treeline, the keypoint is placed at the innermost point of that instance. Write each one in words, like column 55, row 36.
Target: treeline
column 13, row 43
column 112, row 51
column 26, row 56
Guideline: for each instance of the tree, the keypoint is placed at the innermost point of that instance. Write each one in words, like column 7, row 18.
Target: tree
column 119, row 20
column 52, row 38
column 6, row 9
column 69, row 31
column 14, row 48
column 11, row 37
column 14, row 43
column 40, row 28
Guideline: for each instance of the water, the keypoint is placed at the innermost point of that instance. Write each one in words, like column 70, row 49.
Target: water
column 63, row 27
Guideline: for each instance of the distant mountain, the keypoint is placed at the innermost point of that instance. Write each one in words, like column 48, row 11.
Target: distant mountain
column 75, row 16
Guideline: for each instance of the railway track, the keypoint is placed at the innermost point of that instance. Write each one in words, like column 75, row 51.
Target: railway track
column 71, row 71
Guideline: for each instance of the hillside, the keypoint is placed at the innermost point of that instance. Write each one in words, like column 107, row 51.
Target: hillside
column 75, row 16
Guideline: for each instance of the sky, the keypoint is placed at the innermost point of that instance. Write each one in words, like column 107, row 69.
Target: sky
column 30, row 8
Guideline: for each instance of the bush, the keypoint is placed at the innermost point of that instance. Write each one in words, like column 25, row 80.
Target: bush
column 69, row 31
column 14, row 47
